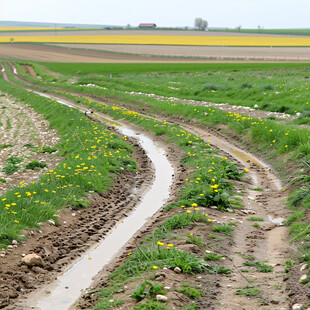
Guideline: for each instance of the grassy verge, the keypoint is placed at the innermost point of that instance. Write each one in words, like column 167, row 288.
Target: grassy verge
column 91, row 156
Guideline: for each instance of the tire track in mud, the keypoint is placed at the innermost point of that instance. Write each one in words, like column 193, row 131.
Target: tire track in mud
column 267, row 243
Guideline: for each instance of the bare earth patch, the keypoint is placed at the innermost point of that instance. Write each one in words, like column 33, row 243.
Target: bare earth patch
column 23, row 133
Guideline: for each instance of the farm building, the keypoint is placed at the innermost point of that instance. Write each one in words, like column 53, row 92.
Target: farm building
column 147, row 26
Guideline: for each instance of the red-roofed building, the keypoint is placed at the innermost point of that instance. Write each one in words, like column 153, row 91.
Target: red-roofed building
column 147, row 26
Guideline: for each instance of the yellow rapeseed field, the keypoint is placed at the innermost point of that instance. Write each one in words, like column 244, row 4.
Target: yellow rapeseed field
column 166, row 40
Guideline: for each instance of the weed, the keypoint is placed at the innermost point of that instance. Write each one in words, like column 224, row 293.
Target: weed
column 2, row 180
column 258, row 189
column 224, row 229
column 48, row 149
column 147, row 257
column 151, row 305
column 14, row 160
column 255, row 225
column 195, row 240
column 108, row 303
column 147, row 289
column 35, row 164
column 4, row 146
column 10, row 169
column 190, row 292
column 219, row 270
column 176, row 222
column 260, row 267
column 256, row 219
column 212, row 256
column 248, row 292
column 191, row 306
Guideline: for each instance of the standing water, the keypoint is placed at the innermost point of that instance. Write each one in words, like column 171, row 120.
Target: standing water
column 79, row 275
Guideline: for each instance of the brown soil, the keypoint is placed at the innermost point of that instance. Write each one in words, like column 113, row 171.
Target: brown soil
column 214, row 52
column 30, row 70
column 26, row 132
column 49, row 53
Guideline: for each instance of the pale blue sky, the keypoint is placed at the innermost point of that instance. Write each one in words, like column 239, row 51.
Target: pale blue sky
column 219, row 13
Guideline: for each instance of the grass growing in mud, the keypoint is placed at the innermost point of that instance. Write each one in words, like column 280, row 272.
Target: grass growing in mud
column 91, row 156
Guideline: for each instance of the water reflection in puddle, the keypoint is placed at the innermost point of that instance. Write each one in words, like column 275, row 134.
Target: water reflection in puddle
column 79, row 275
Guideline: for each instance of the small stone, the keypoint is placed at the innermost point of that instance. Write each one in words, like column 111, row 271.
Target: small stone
column 32, row 260
column 73, row 214
column 14, row 242
column 303, row 267
column 161, row 298
column 51, row 222
column 167, row 288
column 303, row 277
column 10, row 246
column 297, row 307
column 177, row 270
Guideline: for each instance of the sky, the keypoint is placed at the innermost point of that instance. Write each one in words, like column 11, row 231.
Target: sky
column 165, row 13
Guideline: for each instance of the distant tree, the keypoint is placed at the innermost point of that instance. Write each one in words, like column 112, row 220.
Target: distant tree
column 128, row 26
column 201, row 24
column 259, row 27
column 238, row 27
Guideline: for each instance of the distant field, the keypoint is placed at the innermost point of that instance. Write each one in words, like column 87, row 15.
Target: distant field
column 145, row 54
column 213, row 52
column 31, row 29
column 303, row 32
column 164, row 40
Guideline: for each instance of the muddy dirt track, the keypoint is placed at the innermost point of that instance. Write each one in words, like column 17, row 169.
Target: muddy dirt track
column 269, row 242
column 165, row 54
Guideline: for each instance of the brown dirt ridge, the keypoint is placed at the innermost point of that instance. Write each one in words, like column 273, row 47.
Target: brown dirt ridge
column 151, row 54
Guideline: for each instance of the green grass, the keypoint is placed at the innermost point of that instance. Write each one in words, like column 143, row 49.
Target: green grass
column 248, row 292
column 190, row 292
column 35, row 164
column 255, row 219
column 195, row 240
column 212, row 256
column 80, row 171
column 223, row 229
column 107, row 69
column 260, row 267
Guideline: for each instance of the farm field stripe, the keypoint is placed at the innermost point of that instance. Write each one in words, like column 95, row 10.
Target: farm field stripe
column 164, row 40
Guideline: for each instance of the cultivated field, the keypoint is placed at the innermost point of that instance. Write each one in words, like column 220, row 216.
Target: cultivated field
column 153, row 54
